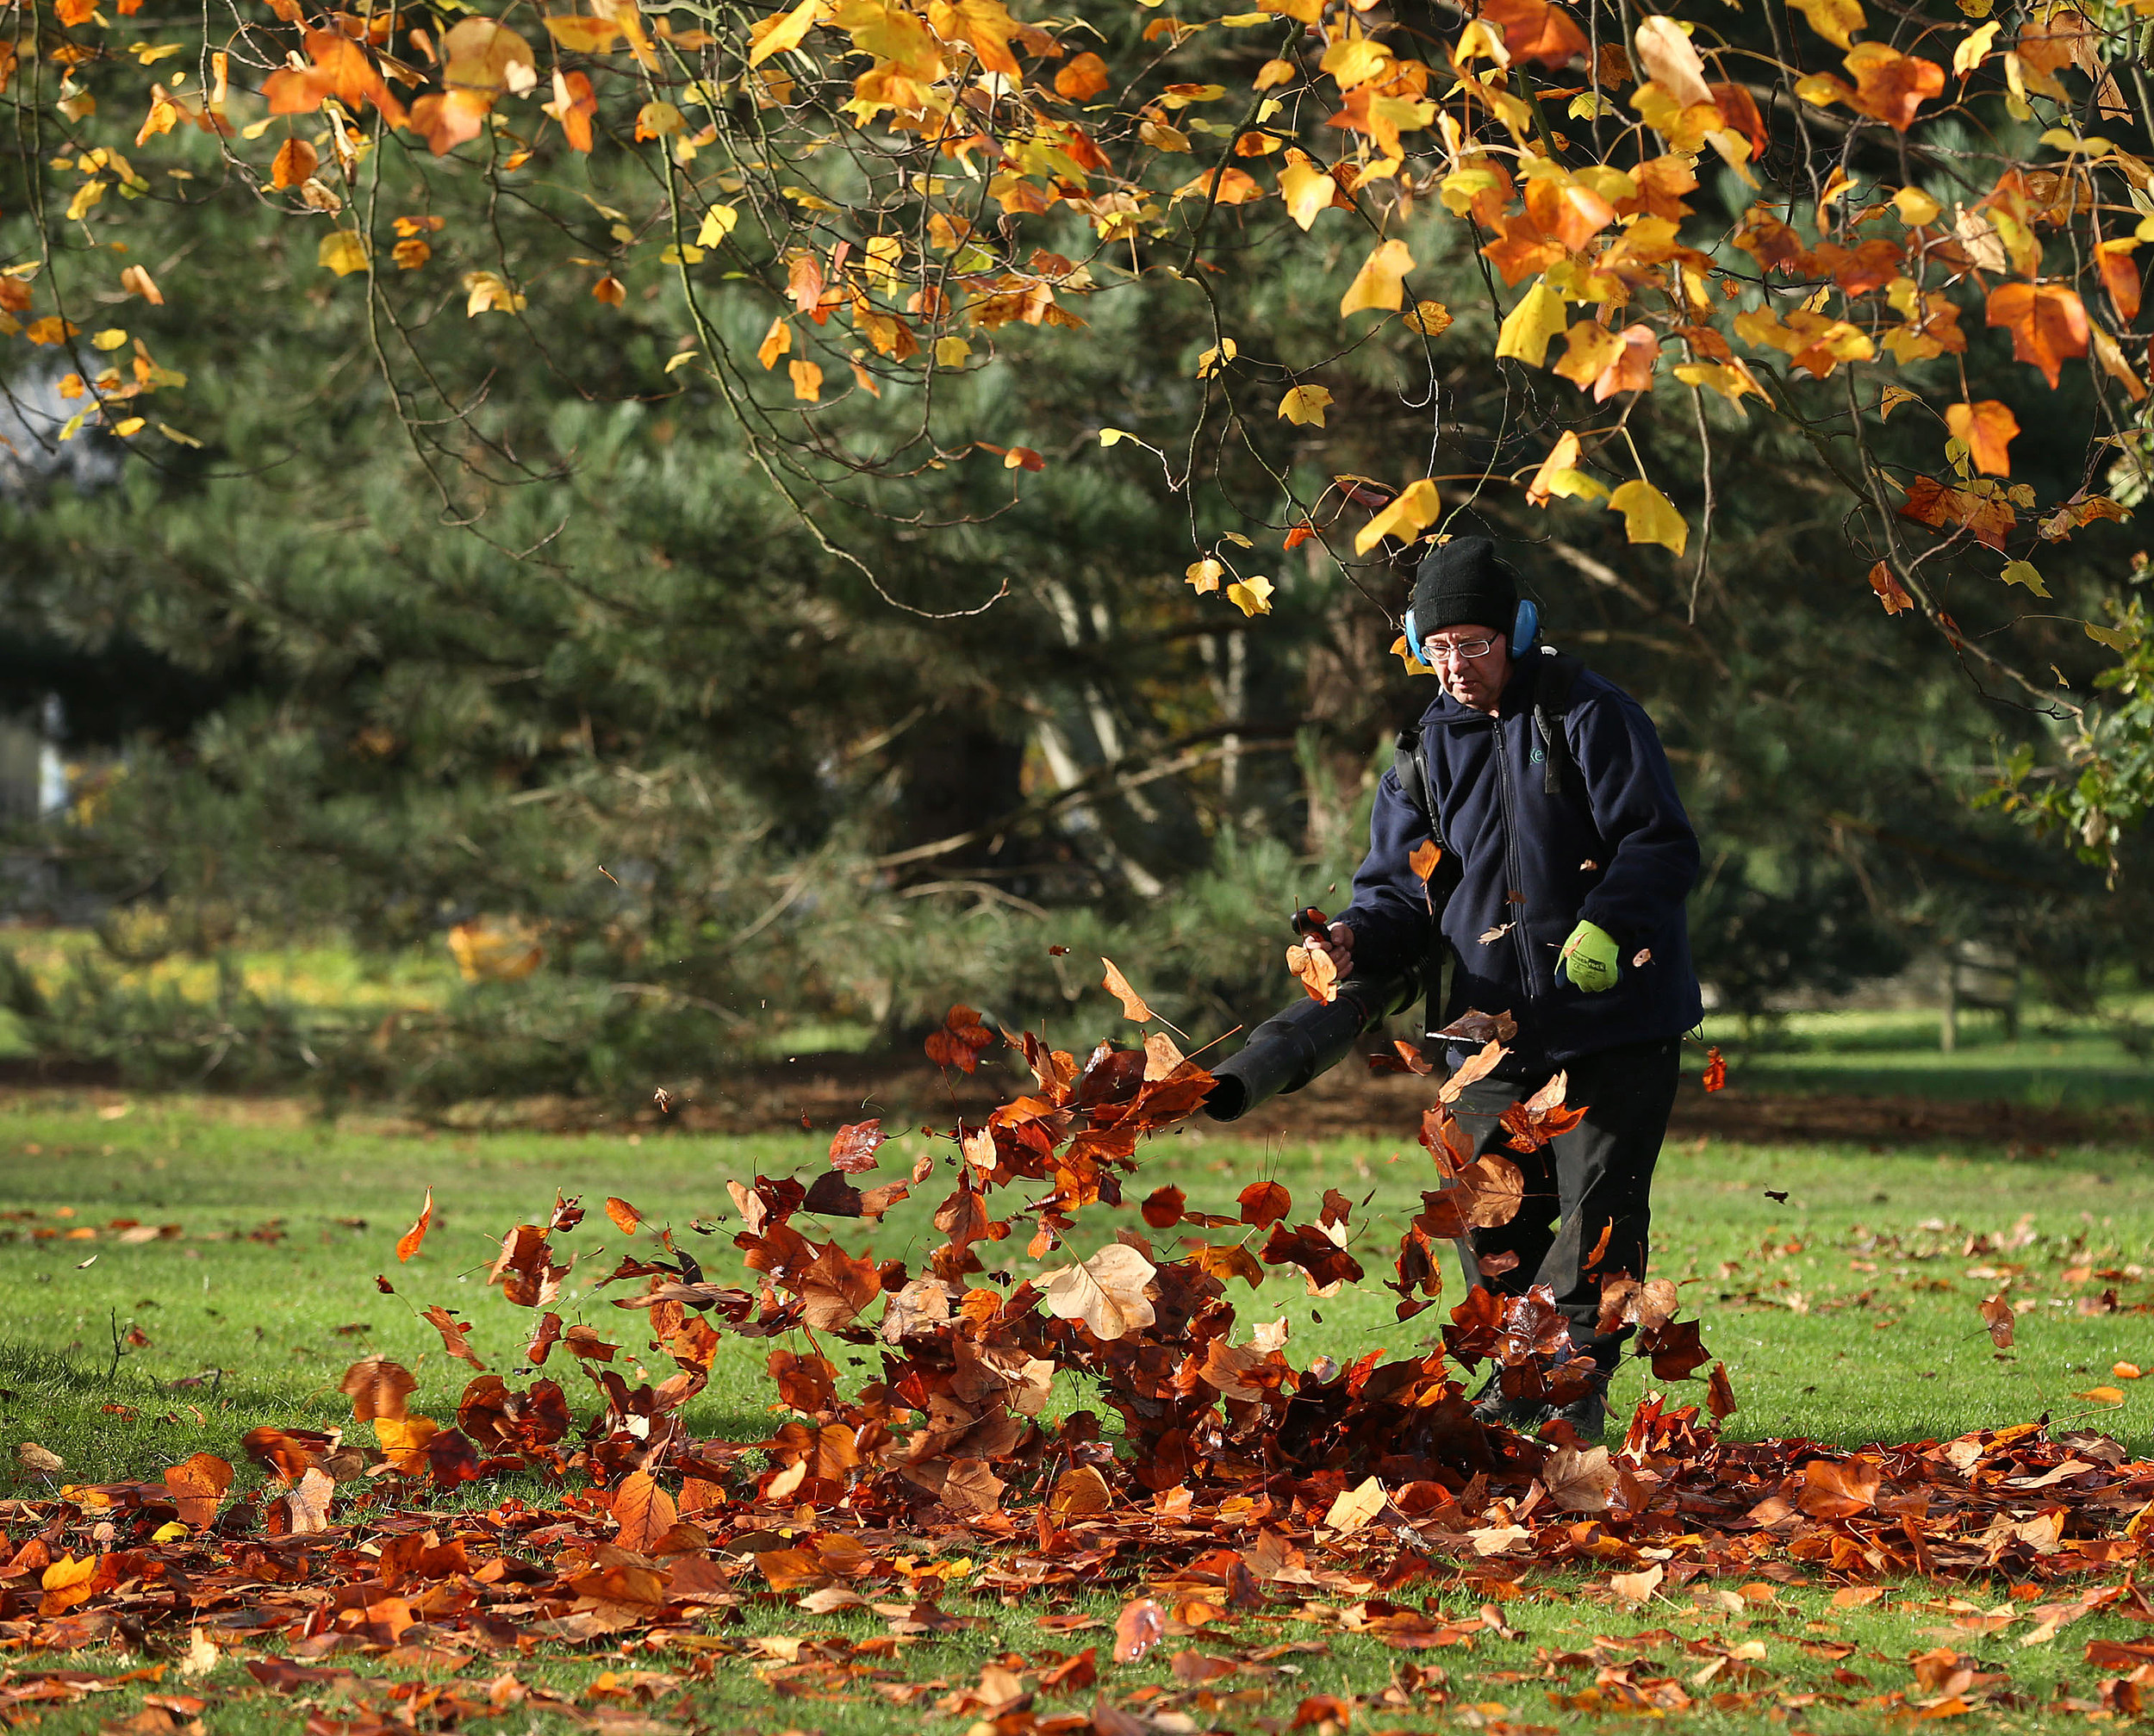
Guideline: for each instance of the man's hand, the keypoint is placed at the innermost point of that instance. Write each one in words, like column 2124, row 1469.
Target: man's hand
column 1588, row 958
column 1335, row 943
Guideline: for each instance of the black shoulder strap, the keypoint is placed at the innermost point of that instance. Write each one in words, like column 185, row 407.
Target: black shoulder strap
column 1409, row 759
column 1554, row 681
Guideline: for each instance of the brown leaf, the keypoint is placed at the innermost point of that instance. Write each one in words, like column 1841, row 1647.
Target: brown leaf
column 1579, row 1480
column 307, row 1504
column 1265, row 1201
column 408, row 1243
column 643, row 1512
column 853, row 1147
column 376, row 1388
column 454, row 1338
column 1997, row 1316
column 1140, row 1626
column 1163, row 1207
column 1720, row 1394
column 1115, row 984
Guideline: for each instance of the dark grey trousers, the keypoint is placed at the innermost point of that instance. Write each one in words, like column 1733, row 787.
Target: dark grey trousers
column 1598, row 1176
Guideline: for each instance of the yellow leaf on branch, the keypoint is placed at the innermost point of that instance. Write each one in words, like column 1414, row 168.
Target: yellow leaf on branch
column 1649, row 516
column 342, row 251
column 1406, row 518
column 1253, row 596
column 1833, row 19
column 783, row 33
column 1378, row 283
column 1304, row 407
column 1530, row 327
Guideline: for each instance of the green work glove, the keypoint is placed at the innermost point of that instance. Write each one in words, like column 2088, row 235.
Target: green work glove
column 1588, row 957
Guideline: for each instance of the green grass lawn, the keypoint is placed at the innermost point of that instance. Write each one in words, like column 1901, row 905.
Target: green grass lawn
column 2059, row 1060
column 1846, row 1312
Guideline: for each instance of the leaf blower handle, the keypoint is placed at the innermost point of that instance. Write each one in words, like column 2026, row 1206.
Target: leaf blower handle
column 1309, row 1038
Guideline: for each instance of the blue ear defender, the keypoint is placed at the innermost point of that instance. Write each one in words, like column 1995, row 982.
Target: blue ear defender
column 1525, row 629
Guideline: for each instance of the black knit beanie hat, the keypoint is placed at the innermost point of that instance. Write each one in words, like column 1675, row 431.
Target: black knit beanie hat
column 1463, row 582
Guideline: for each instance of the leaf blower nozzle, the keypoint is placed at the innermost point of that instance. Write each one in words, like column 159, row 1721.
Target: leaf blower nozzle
column 1293, row 1046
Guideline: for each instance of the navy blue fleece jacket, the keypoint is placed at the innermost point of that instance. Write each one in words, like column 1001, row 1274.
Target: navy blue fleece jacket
column 1613, row 847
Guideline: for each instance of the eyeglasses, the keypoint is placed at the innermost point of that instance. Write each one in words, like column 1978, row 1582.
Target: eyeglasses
column 1434, row 651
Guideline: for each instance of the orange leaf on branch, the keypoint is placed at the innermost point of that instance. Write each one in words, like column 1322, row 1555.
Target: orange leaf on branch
column 1987, row 428
column 2047, row 322
column 1535, row 30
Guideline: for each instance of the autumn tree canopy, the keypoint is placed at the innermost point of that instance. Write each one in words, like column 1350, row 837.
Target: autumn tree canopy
column 564, row 429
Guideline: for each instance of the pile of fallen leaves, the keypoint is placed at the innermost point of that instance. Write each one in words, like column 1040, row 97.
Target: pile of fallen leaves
column 1237, row 1485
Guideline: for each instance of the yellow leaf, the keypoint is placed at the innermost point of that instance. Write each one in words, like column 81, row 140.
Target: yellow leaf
column 1730, row 379
column 1915, row 207
column 1380, row 280
column 583, row 35
column 1974, row 48
column 1253, row 596
column 954, row 353
column 86, row 196
column 1889, row 400
column 1649, row 516
column 1589, row 348
column 1430, row 318
column 1203, row 576
column 808, row 381
column 1307, row 190
column 342, row 251
column 1406, row 518
column 775, row 342
column 659, row 120
column 718, row 223
column 1354, row 60
column 128, row 428
column 110, row 339
column 785, row 32
column 1304, row 407
column 2024, row 573
column 1529, row 328
column 2115, row 638
column 1832, row 19
column 486, row 293
column 679, row 358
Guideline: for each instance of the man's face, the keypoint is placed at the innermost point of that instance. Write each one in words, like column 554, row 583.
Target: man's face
column 1473, row 662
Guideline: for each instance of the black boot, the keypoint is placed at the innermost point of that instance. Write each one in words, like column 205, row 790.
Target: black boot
column 1587, row 1414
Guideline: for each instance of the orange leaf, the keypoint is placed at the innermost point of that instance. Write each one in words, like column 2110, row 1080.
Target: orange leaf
column 1115, row 984
column 626, row 1218
column 1422, row 862
column 2048, row 323
column 295, row 162
column 1988, row 428
column 1894, row 598
column 1533, row 30
column 2121, row 278
column 1889, row 86
column 1085, row 77
column 1315, row 971
column 408, row 1244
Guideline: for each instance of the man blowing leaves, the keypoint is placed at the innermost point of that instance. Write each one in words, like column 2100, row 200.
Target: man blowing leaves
column 1547, row 787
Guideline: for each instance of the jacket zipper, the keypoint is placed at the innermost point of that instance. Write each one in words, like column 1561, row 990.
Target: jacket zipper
column 1510, row 864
